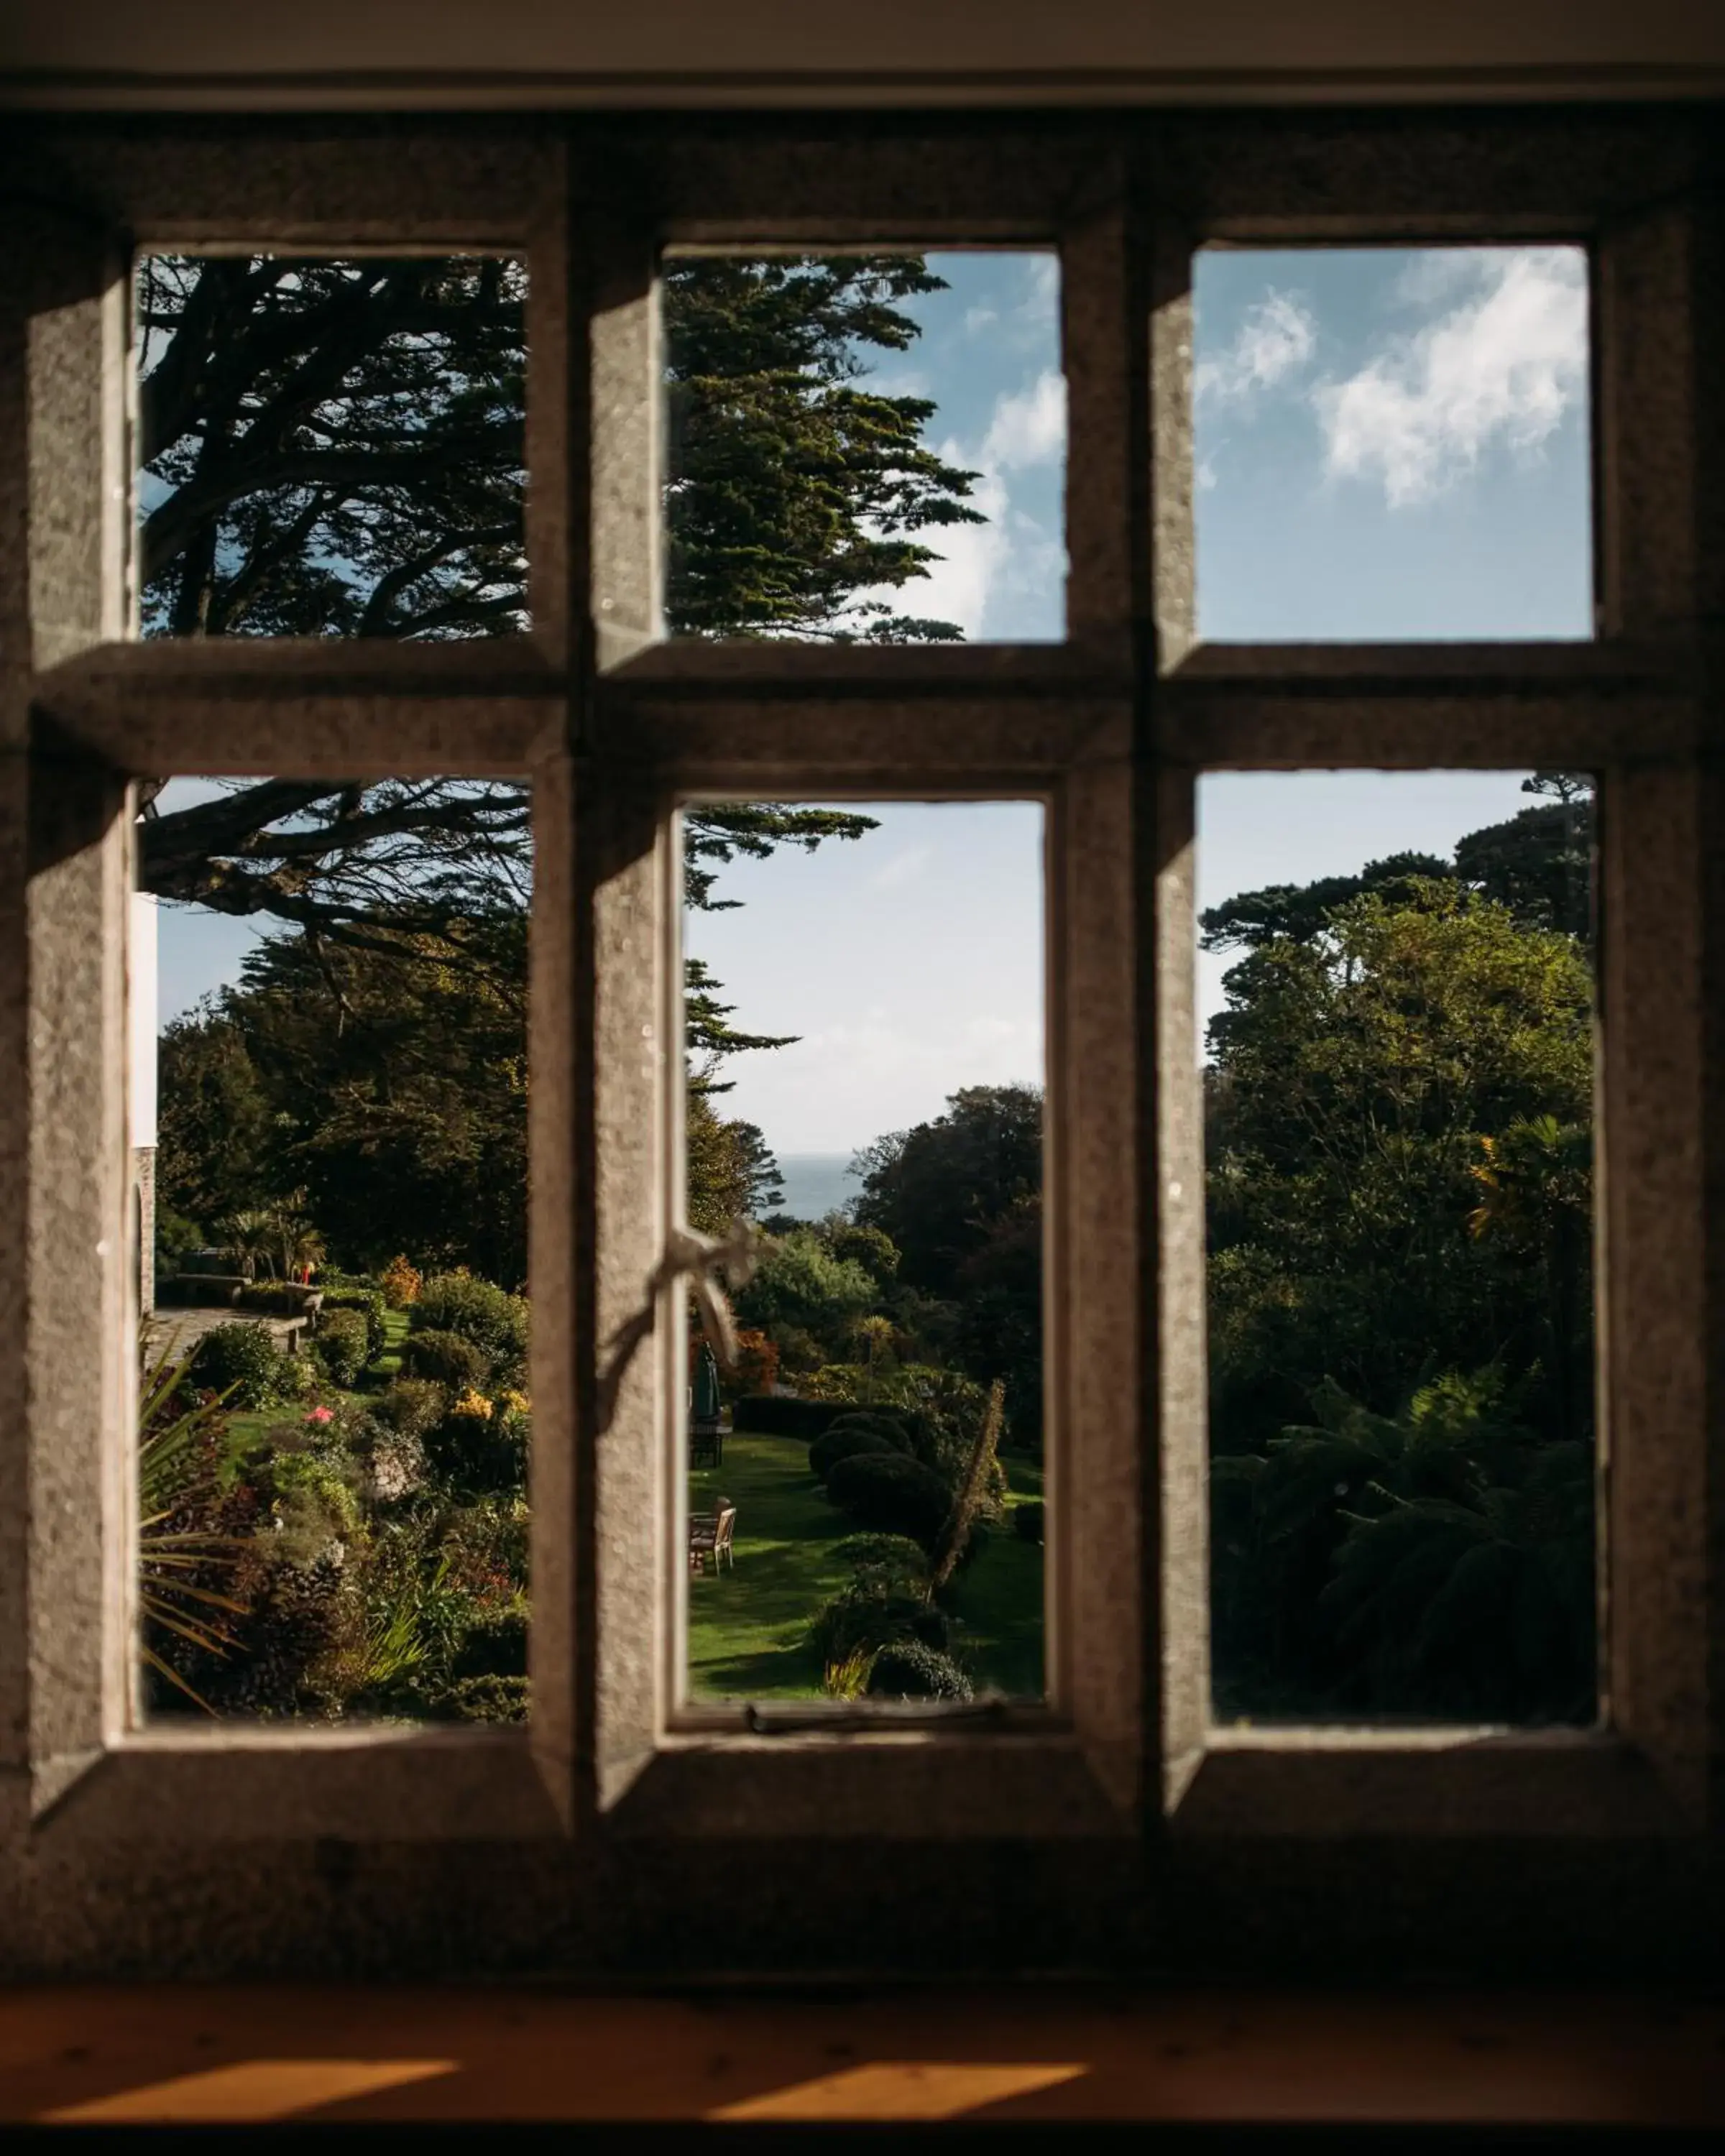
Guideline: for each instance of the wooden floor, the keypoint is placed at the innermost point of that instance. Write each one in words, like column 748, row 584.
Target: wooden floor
column 175, row 2055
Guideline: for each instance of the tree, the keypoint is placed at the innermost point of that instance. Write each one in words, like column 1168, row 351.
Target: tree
column 938, row 1190
column 793, row 489
column 331, row 447
column 335, row 449
column 1356, row 1076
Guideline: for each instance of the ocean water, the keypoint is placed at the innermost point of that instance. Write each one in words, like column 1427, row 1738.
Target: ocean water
column 815, row 1184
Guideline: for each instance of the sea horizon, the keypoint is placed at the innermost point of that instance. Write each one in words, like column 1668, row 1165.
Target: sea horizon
column 816, row 1183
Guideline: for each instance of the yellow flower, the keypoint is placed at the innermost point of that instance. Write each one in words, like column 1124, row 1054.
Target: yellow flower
column 473, row 1403
column 514, row 1403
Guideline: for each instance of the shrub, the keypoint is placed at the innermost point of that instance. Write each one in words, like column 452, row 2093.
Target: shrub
column 243, row 1357
column 401, row 1284
column 896, row 1557
column 293, row 1377
column 773, row 1415
column 494, row 1645
column 1029, row 1520
column 863, row 1617
column 412, row 1406
column 475, row 1449
column 487, row 1699
column 896, row 1495
column 756, row 1365
column 826, row 1452
column 879, row 1419
column 479, row 1311
column 451, row 1357
column 907, row 1669
column 369, row 1303
column 341, row 1346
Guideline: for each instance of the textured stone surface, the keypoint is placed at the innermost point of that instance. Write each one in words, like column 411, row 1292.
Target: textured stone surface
column 600, row 1842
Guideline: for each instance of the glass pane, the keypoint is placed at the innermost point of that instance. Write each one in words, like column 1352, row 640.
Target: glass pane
column 329, row 1133
column 1392, row 442
column 331, row 447
column 865, row 447
column 1398, row 983
column 864, row 1039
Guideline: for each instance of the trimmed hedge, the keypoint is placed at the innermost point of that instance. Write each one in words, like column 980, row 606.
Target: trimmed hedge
column 847, row 1444
column 888, row 1491
column 369, row 1302
column 1030, row 1521
column 341, row 1346
column 775, row 1415
column 904, row 1669
column 242, row 1355
column 862, row 1617
column 447, row 1357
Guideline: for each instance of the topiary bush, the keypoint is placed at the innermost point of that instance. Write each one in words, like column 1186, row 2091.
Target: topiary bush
column 893, row 1493
column 895, row 1557
column 866, row 1616
column 826, row 1452
column 244, row 1357
column 496, row 1643
column 370, row 1304
column 451, row 1357
column 775, row 1415
column 412, row 1406
column 1030, row 1521
column 485, row 1699
column 905, row 1669
column 341, row 1346
column 480, row 1311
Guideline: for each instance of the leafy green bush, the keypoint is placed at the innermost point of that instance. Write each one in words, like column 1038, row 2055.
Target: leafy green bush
column 451, row 1357
column 775, row 1415
column 894, row 1558
column 895, row 1494
column 826, row 1452
column 496, row 1643
column 480, row 1447
column 487, row 1699
column 479, row 1311
column 1030, row 1521
column 370, row 1304
column 244, row 1357
column 865, row 1616
column 906, row 1669
column 412, row 1406
column 341, row 1346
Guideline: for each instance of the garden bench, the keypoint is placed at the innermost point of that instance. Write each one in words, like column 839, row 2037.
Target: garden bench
column 711, row 1532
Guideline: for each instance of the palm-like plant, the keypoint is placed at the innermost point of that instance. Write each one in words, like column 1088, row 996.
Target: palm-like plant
column 246, row 1238
column 178, row 1558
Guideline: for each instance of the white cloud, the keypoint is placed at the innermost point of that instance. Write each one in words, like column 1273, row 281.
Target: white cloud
column 1204, row 477
column 1503, row 365
column 1277, row 336
column 978, row 318
column 1029, row 426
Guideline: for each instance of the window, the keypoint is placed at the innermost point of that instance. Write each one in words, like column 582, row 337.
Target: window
column 609, row 1830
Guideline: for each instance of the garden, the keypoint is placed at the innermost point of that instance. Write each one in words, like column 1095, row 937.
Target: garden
column 343, row 1532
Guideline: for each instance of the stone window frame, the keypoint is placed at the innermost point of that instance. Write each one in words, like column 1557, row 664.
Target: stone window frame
column 1111, row 728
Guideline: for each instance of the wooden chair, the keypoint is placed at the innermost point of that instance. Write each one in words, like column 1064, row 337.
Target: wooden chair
column 710, row 1533
column 707, row 1445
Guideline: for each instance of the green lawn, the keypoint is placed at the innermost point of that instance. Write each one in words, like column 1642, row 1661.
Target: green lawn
column 748, row 1628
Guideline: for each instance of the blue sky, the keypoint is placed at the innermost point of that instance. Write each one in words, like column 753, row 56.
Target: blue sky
column 1390, row 443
